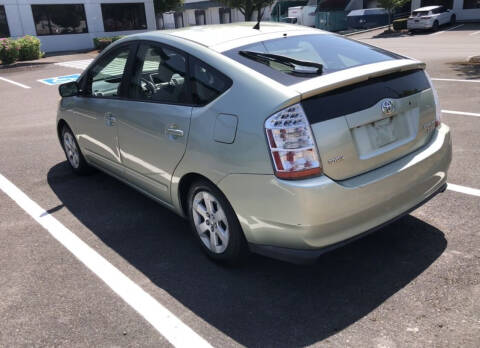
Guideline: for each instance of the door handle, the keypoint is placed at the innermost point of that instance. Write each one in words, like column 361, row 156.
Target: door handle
column 175, row 132
column 110, row 120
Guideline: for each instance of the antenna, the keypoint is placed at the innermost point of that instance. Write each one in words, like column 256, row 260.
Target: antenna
column 260, row 16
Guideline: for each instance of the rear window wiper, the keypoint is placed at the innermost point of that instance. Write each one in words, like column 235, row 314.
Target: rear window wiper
column 297, row 66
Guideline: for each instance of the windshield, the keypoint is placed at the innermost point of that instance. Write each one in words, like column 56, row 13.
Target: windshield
column 333, row 52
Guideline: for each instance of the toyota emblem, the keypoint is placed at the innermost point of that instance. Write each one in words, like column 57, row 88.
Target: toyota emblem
column 387, row 107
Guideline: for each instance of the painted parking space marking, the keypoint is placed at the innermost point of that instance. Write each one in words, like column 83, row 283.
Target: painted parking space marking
column 475, row 33
column 460, row 113
column 76, row 64
column 14, row 83
column 440, row 32
column 454, row 80
column 164, row 321
column 464, row 189
column 58, row 80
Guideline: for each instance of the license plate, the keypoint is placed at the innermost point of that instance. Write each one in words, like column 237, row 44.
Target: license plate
column 383, row 134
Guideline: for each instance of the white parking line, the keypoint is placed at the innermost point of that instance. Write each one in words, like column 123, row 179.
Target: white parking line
column 15, row 83
column 165, row 322
column 475, row 33
column 454, row 80
column 464, row 189
column 460, row 113
column 440, row 32
column 76, row 64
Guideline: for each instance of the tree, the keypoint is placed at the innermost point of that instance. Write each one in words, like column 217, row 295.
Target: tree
column 162, row 6
column 390, row 5
column 248, row 7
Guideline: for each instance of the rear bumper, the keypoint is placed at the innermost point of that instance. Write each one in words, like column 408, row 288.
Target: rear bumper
column 302, row 256
column 419, row 25
column 319, row 212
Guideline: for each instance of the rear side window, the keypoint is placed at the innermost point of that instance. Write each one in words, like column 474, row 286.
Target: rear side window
column 206, row 82
column 333, row 52
column 159, row 75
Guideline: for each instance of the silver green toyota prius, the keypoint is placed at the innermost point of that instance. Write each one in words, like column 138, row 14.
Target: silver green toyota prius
column 283, row 140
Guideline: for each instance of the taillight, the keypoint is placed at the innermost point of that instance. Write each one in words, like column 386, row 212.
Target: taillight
column 292, row 146
column 438, row 109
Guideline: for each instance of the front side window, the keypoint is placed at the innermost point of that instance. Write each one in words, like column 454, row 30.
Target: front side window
column 59, row 19
column 105, row 78
column 4, row 32
column 159, row 76
column 332, row 52
column 207, row 83
column 123, row 17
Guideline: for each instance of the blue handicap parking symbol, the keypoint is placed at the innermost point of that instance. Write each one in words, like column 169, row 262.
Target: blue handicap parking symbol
column 51, row 81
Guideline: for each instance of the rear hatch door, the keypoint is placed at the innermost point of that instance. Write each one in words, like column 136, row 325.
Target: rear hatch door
column 366, row 118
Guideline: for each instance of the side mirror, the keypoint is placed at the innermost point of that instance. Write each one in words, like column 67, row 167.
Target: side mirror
column 68, row 89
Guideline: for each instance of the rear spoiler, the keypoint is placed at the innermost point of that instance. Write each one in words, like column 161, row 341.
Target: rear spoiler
column 354, row 75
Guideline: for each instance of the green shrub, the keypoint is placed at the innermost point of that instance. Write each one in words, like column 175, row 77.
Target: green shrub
column 29, row 48
column 399, row 24
column 9, row 51
column 100, row 43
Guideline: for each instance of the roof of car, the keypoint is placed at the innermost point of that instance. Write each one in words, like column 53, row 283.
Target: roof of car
column 426, row 8
column 216, row 34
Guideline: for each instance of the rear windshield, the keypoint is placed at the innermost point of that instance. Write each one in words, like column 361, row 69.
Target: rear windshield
column 420, row 13
column 333, row 52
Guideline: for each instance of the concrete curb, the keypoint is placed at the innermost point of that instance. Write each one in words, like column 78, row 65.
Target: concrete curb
column 365, row 31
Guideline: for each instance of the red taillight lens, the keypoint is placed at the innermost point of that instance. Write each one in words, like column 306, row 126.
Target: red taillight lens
column 292, row 145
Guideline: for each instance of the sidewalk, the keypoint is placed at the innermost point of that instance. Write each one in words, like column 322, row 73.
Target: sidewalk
column 49, row 59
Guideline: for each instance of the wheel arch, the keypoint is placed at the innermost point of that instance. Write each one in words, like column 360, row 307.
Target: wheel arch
column 186, row 181
column 60, row 124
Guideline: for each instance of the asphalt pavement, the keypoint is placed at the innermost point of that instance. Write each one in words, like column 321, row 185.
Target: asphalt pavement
column 414, row 283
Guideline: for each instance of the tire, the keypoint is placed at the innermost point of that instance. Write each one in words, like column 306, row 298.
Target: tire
column 210, row 212
column 435, row 26
column 72, row 151
column 453, row 20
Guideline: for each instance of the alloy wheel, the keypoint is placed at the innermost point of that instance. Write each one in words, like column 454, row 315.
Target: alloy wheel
column 210, row 222
column 71, row 150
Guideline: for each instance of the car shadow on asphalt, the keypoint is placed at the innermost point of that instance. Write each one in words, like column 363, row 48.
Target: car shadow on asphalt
column 266, row 302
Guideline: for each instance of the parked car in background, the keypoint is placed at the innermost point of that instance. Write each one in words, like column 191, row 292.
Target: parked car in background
column 291, row 20
column 367, row 18
column 287, row 141
column 430, row 17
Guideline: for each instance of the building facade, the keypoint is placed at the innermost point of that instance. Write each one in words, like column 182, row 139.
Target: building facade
column 201, row 12
column 65, row 25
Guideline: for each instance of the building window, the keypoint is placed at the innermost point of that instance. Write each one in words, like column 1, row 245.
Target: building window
column 4, row 32
column 122, row 17
column 445, row 3
column 59, row 19
column 469, row 4
column 225, row 15
column 200, row 18
column 178, row 18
